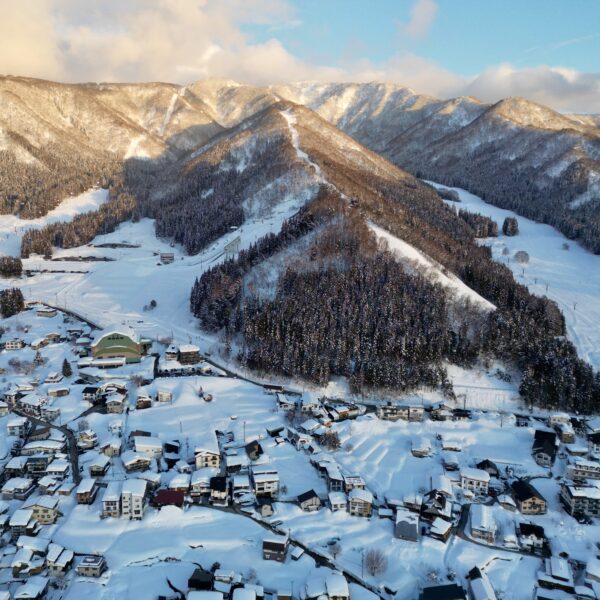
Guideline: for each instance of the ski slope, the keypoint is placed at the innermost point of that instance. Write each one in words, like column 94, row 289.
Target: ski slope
column 12, row 227
column 571, row 277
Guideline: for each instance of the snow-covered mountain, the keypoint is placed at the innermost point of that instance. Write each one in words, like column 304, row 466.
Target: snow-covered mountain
column 515, row 153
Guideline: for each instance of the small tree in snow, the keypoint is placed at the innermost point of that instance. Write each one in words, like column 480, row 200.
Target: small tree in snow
column 375, row 562
column 335, row 549
column 331, row 440
column 83, row 424
column 66, row 368
column 510, row 226
column 522, row 257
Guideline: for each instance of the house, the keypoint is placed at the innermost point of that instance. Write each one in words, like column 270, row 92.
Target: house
column 360, row 503
column 86, row 491
column 335, row 481
column 133, row 499
column 528, row 500
column 447, row 591
column 43, row 447
column 99, row 466
column 201, row 580
column 284, row 403
column 14, row 344
column 580, row 500
column 18, row 427
column 421, row 447
column 483, row 526
column 48, row 485
column 337, row 501
column 37, row 465
column 434, row 505
column 53, row 337
column 90, row 394
column 544, row 447
column 148, row 446
column 118, row 341
column 180, row 483
column 53, row 377
column 407, row 525
column 352, row 482
column 87, row 439
column 91, row 565
column 490, row 467
column 3, row 408
column 46, row 311
column 22, row 522
column 594, row 442
column 16, row 467
column 18, row 488
column 111, row 500
column 59, row 391
column 200, row 482
column 166, row 258
column 580, row 469
column 45, row 509
column 309, row 501
column 111, row 447
column 164, row 396
column 39, row 343
column 440, row 529
column 336, row 587
column 275, row 548
column 556, row 575
column 531, row 537
column 265, row 481
column 219, row 491
column 254, row 450
column 168, row 498
column 142, row 401
column 566, row 433
column 474, row 480
column 207, row 456
column 560, row 418
column 480, row 586
column 240, row 485
column 35, row 588
column 58, row 559
column 115, row 403
column 189, row 354
column 507, row 502
column 133, row 461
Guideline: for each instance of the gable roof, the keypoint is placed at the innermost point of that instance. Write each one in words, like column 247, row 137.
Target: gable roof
column 523, row 490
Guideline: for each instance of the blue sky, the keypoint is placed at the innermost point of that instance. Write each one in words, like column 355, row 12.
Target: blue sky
column 465, row 36
column 544, row 50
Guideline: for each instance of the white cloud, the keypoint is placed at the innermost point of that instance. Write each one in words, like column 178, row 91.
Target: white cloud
column 422, row 15
column 184, row 40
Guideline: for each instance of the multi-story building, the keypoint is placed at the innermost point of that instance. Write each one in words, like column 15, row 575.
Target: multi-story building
column 475, row 480
column 581, row 499
column 133, row 499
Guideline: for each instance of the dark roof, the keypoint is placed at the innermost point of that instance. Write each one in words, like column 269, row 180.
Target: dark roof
column 523, row 490
column 90, row 390
column 531, row 529
column 450, row 591
column 307, row 496
column 545, row 441
column 218, row 483
column 201, row 580
column 275, row 545
column 254, row 446
column 487, row 464
column 594, row 437
column 168, row 498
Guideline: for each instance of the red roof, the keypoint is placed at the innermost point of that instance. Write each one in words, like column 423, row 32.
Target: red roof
column 168, row 498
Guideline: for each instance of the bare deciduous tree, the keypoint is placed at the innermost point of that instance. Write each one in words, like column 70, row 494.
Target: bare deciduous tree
column 375, row 562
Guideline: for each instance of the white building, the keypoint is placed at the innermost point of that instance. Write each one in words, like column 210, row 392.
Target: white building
column 475, row 480
column 133, row 499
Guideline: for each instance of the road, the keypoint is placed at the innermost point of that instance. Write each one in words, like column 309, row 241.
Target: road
column 71, row 442
column 319, row 558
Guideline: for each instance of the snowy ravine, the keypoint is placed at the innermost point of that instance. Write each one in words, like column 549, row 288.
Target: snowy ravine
column 571, row 277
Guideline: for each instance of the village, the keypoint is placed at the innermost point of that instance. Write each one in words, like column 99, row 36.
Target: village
column 120, row 452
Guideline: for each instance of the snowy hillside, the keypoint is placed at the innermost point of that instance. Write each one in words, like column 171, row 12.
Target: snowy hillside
column 557, row 268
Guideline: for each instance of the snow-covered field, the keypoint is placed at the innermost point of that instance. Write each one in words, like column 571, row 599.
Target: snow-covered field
column 570, row 276
column 12, row 228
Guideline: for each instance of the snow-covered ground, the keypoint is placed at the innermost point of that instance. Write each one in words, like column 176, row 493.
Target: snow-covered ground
column 409, row 254
column 570, row 276
column 12, row 228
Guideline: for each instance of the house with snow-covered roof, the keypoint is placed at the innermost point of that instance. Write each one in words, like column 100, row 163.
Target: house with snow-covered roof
column 474, row 480
column 483, row 525
column 360, row 503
